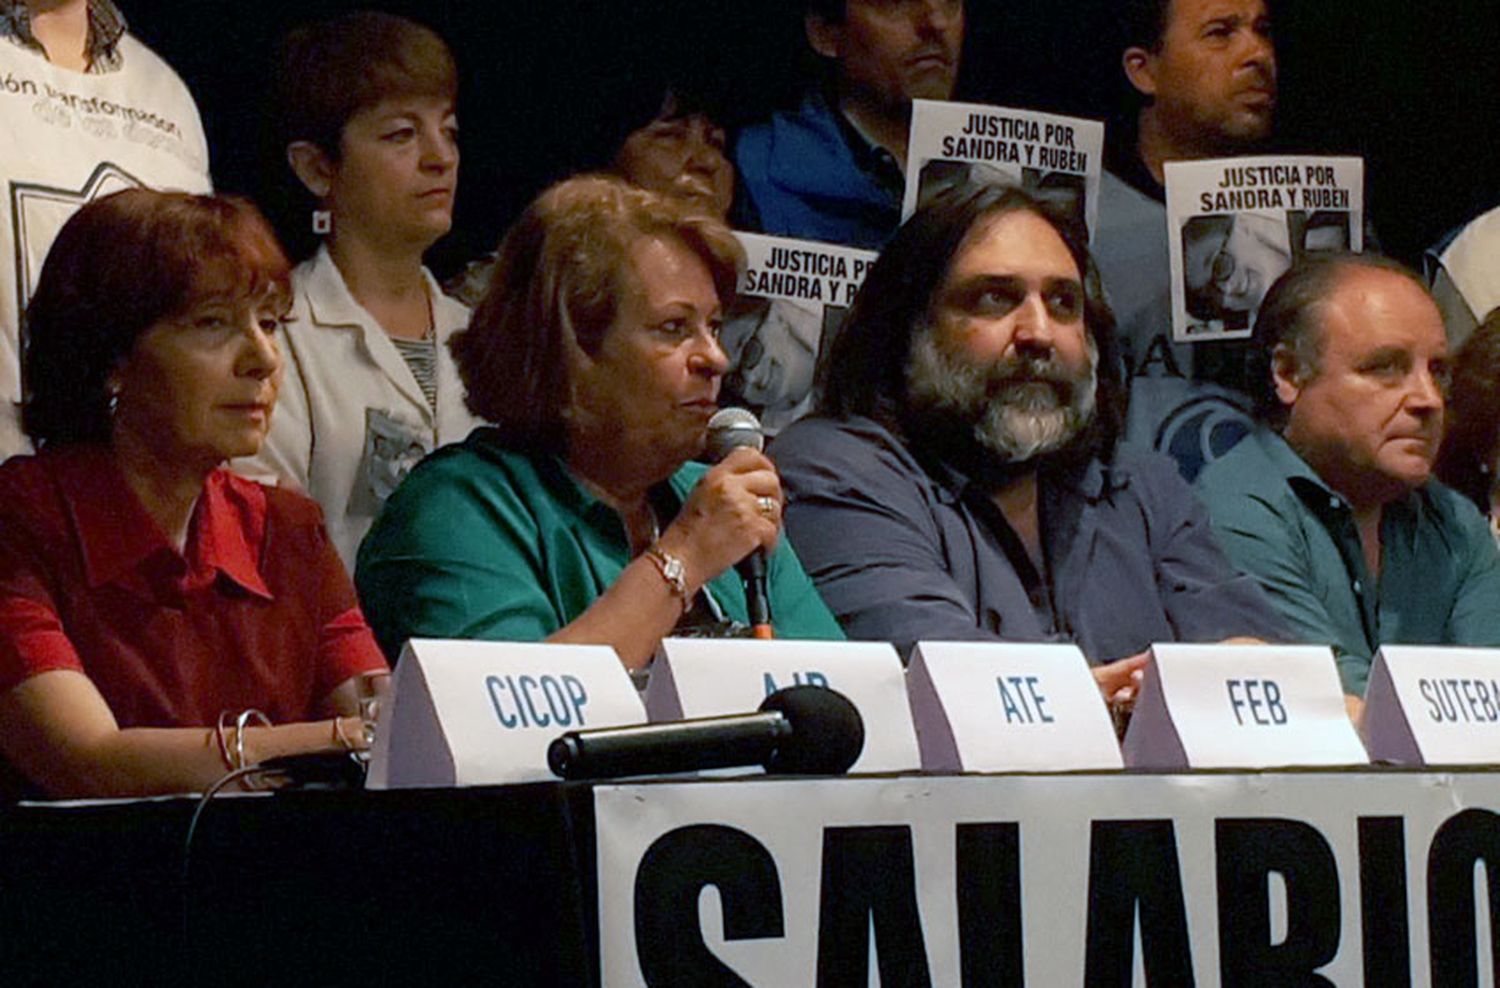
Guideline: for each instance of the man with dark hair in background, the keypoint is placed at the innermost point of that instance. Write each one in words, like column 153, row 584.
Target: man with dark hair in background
column 832, row 170
column 1203, row 75
column 1329, row 503
column 962, row 481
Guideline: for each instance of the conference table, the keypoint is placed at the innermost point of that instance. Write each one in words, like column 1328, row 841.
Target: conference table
column 1366, row 876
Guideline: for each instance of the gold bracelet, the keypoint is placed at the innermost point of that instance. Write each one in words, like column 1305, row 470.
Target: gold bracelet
column 339, row 737
column 674, row 572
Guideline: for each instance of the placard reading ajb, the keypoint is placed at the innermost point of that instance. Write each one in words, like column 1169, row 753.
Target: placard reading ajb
column 1057, row 158
column 1235, row 224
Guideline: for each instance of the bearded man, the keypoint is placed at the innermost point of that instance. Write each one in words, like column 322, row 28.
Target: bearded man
column 961, row 480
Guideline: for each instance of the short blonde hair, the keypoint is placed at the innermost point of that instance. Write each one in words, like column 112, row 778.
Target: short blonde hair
column 555, row 290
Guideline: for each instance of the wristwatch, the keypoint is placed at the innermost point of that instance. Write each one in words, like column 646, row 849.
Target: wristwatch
column 673, row 571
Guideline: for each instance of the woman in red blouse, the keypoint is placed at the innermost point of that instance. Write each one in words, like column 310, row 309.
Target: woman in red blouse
column 161, row 620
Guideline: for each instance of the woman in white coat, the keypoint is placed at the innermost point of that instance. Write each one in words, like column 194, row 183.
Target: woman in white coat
column 366, row 102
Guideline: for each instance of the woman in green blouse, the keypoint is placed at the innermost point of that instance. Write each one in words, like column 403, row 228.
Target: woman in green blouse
column 577, row 516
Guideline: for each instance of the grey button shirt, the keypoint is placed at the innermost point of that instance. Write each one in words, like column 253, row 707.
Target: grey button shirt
column 905, row 553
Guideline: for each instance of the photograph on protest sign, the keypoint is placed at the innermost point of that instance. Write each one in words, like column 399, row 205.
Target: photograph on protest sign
column 1055, row 158
column 1239, row 223
column 792, row 298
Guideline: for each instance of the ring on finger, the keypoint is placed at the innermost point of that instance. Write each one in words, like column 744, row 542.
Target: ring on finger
column 767, row 506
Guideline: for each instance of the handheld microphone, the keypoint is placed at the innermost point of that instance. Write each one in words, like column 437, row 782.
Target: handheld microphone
column 800, row 730
column 728, row 430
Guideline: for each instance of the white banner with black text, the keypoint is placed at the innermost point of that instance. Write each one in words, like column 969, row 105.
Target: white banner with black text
column 1305, row 878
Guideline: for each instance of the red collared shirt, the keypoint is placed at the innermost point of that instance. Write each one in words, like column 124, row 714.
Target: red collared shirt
column 257, row 612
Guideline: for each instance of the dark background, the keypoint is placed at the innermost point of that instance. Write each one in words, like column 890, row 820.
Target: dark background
column 549, row 86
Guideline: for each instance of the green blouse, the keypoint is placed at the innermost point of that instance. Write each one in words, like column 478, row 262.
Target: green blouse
column 483, row 542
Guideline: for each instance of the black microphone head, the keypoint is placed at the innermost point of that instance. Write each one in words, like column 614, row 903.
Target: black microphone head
column 827, row 731
column 731, row 428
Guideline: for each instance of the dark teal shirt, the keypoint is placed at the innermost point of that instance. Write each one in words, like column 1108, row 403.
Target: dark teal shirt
column 1439, row 569
column 482, row 542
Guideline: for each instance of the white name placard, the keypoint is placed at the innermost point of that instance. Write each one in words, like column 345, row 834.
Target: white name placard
column 1006, row 707
column 707, row 677
column 1432, row 705
column 465, row 713
column 1241, row 706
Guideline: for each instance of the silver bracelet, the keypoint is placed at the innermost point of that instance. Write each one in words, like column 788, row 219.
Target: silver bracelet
column 240, row 723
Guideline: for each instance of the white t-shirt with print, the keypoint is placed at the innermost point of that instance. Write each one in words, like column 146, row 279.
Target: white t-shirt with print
column 68, row 138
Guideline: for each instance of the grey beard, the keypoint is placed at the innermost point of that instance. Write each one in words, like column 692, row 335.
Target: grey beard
column 1014, row 419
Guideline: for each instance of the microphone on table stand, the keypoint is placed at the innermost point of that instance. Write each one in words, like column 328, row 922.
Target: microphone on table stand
column 800, row 730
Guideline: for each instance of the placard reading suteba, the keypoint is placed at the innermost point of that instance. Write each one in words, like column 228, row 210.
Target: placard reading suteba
column 1241, row 706
column 1433, row 705
column 707, row 677
column 470, row 713
column 994, row 707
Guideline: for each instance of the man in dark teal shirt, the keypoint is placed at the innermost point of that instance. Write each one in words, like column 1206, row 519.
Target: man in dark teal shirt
column 1330, row 502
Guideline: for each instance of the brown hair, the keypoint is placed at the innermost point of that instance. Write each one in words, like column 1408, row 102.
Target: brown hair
column 554, row 291
column 1464, row 462
column 120, row 265
column 329, row 71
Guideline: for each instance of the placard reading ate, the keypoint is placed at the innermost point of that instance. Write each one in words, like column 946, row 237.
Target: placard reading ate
column 997, row 707
column 1241, row 706
column 1433, row 705
column 708, row 677
column 465, row 713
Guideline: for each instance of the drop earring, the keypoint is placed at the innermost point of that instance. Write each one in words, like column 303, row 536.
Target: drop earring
column 113, row 403
column 322, row 222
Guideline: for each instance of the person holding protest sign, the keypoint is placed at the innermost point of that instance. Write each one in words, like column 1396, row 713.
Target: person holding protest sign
column 962, row 479
column 832, row 170
column 366, row 110
column 577, row 516
column 1203, row 82
column 146, row 595
column 677, row 150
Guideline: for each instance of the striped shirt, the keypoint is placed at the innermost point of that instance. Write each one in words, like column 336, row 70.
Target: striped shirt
column 421, row 357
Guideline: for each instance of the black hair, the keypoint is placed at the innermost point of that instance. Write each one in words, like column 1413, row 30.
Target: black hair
column 832, row 11
column 1143, row 23
column 1290, row 316
column 864, row 369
